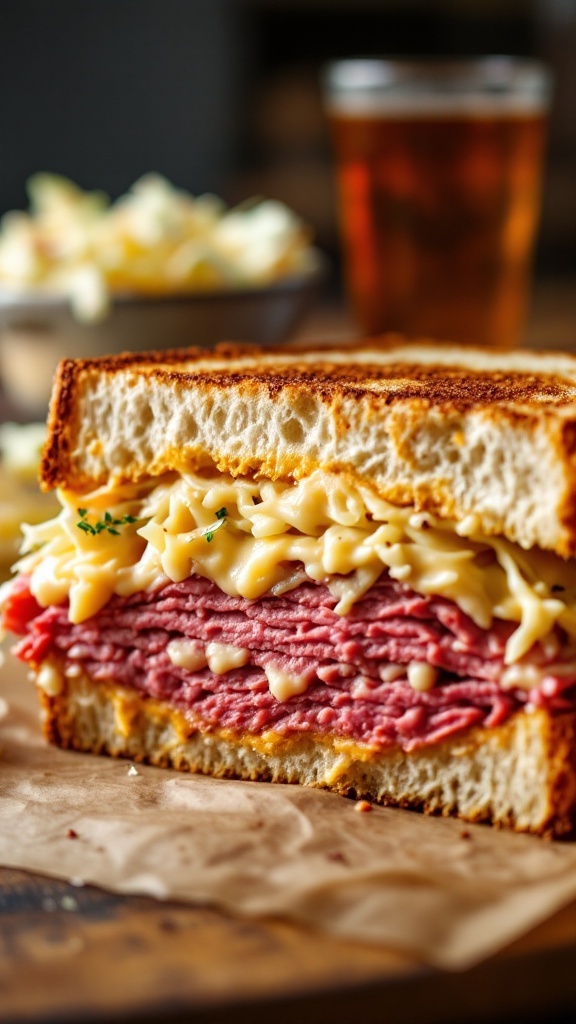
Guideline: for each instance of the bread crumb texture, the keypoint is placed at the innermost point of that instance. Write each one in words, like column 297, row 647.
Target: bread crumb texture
column 448, row 430
column 521, row 774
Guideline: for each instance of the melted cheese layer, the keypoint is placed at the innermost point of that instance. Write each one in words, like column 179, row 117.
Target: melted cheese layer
column 253, row 537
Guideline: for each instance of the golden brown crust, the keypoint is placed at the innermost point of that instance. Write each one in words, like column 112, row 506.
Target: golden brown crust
column 521, row 775
column 376, row 394
column 561, row 743
column 56, row 464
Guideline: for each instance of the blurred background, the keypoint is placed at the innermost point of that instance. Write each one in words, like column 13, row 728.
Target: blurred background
column 223, row 95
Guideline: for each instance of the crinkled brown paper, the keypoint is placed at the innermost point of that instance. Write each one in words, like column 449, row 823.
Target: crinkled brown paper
column 412, row 883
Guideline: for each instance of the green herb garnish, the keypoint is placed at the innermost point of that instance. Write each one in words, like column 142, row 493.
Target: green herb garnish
column 221, row 517
column 108, row 523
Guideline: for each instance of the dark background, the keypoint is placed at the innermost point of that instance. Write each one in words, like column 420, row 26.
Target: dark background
column 223, row 95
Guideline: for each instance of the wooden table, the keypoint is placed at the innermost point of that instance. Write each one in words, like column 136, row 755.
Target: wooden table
column 80, row 954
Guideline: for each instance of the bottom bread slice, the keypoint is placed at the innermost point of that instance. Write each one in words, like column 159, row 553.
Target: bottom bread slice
column 521, row 774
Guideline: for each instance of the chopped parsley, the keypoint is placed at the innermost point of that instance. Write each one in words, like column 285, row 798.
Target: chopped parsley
column 221, row 517
column 108, row 523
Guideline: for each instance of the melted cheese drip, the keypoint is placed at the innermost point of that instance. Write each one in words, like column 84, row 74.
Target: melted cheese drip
column 219, row 658
column 341, row 534
column 187, row 654
column 421, row 676
column 49, row 679
column 283, row 685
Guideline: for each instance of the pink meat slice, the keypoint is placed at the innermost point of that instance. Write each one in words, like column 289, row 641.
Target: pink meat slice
column 342, row 658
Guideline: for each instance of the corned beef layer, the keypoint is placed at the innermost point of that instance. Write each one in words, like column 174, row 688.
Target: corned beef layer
column 343, row 658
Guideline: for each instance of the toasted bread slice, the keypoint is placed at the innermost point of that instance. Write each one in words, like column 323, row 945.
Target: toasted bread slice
column 453, row 431
column 521, row 774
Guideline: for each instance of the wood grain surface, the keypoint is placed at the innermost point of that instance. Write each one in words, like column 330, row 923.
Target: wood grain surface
column 72, row 953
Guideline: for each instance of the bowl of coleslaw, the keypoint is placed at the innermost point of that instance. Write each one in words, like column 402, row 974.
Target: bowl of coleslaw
column 156, row 269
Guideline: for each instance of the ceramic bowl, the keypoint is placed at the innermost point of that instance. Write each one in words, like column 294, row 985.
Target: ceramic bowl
column 37, row 330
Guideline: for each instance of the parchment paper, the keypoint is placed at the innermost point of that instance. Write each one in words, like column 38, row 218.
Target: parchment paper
column 449, row 894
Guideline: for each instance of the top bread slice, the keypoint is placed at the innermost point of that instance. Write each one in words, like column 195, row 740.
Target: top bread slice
column 454, row 431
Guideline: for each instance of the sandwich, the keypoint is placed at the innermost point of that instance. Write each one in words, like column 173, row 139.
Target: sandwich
column 349, row 569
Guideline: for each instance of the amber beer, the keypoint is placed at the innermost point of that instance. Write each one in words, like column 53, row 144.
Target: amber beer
column 439, row 207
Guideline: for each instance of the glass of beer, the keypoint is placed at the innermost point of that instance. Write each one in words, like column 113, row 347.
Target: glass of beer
column 439, row 167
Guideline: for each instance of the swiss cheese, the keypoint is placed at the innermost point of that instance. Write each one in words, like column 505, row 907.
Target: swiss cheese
column 253, row 537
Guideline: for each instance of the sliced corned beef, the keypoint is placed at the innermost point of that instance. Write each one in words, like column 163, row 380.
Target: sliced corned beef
column 343, row 658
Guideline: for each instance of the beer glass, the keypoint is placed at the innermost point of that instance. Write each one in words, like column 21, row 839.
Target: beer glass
column 439, row 166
